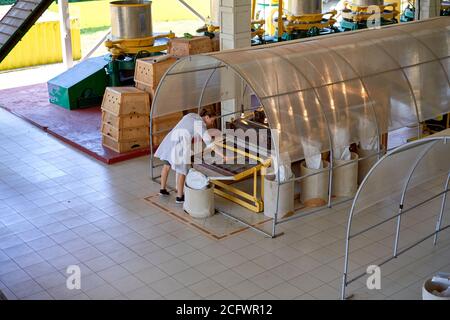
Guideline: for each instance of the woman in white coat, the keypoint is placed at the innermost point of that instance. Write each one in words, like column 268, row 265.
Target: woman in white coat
column 175, row 149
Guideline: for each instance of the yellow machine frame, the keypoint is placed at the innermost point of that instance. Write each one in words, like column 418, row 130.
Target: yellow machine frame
column 251, row 201
column 308, row 21
column 134, row 46
column 300, row 23
column 363, row 13
column 256, row 24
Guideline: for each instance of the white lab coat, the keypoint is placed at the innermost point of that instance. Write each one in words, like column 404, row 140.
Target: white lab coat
column 176, row 146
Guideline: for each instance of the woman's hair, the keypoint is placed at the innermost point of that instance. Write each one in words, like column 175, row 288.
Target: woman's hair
column 207, row 112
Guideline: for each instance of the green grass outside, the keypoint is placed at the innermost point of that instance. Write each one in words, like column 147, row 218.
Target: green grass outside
column 86, row 31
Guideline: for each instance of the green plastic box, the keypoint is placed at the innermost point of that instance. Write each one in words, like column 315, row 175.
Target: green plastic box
column 81, row 86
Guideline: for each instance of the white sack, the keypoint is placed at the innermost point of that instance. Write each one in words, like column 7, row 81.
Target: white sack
column 341, row 143
column 312, row 152
column 284, row 172
column 367, row 134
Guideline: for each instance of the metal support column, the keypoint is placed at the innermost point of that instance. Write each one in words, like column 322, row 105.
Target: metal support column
column 66, row 38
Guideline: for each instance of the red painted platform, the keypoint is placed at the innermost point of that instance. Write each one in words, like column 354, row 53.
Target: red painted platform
column 79, row 128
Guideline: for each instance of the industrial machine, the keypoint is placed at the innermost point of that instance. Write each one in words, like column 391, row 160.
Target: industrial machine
column 445, row 8
column 303, row 18
column 242, row 181
column 410, row 11
column 211, row 26
column 227, row 177
column 81, row 86
column 359, row 14
column 131, row 38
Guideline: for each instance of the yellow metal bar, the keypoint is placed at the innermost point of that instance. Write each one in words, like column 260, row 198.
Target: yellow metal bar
column 361, row 13
column 133, row 46
column 246, row 173
column 232, row 193
column 235, row 190
column 262, row 186
column 253, row 9
column 263, row 162
column 280, row 19
column 255, row 183
column 308, row 26
column 257, row 207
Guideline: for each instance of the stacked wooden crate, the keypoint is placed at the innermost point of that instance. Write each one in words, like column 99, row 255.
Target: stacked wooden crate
column 125, row 119
column 149, row 71
column 215, row 42
column 147, row 76
column 183, row 47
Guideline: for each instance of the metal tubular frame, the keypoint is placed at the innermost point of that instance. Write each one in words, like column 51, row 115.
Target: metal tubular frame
column 432, row 141
column 370, row 104
column 192, row 10
column 403, row 196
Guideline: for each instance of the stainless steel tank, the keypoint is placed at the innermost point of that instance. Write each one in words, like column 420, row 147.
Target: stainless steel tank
column 364, row 3
column 131, row 19
column 301, row 7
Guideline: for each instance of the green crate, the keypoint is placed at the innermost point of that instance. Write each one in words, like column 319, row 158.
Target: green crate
column 81, row 86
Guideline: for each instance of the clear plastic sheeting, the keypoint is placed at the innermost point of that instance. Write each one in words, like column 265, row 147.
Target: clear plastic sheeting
column 409, row 182
column 392, row 77
column 421, row 162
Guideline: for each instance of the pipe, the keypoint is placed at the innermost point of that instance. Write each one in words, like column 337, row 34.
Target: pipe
column 195, row 12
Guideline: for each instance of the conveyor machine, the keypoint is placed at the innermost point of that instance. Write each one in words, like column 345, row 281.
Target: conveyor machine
column 358, row 14
column 250, row 159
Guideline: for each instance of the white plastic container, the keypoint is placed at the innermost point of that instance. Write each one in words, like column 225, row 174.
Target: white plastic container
column 286, row 197
column 429, row 287
column 314, row 189
column 196, row 180
column 199, row 203
column 345, row 177
column 366, row 164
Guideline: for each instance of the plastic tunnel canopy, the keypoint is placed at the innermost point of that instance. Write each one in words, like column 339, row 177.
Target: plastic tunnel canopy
column 422, row 161
column 389, row 78
column 389, row 192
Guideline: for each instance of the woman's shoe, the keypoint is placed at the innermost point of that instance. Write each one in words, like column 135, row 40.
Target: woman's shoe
column 163, row 192
column 179, row 199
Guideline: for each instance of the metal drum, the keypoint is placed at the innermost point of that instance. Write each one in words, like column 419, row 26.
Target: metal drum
column 131, row 19
column 301, row 7
column 365, row 3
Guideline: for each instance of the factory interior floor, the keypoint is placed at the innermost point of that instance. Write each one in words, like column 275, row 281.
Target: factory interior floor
column 80, row 128
column 59, row 207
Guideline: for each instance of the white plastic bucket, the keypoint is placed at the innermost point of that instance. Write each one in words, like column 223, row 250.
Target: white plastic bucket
column 199, row 203
column 345, row 177
column 366, row 164
column 286, row 197
column 429, row 287
column 314, row 189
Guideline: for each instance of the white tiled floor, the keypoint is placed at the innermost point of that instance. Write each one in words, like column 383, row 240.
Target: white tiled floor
column 59, row 207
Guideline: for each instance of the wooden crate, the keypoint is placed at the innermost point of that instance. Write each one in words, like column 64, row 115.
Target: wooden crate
column 146, row 88
column 126, row 121
column 215, row 42
column 125, row 100
column 125, row 134
column 149, row 71
column 182, row 47
column 125, row 146
column 163, row 125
